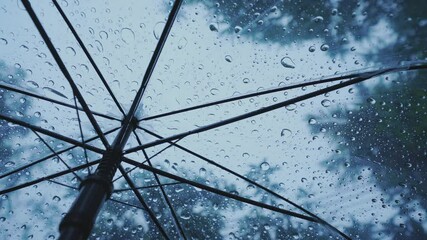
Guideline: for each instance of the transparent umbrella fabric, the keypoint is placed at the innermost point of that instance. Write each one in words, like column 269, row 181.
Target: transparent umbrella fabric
column 350, row 159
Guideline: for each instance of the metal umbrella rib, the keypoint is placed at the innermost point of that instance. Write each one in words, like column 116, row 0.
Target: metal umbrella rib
column 328, row 225
column 51, row 134
column 64, row 70
column 360, row 78
column 219, row 192
column 185, row 186
column 31, row 94
column 45, row 178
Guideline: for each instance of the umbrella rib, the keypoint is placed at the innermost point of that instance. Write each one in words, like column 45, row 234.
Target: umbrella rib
column 62, row 184
column 267, row 91
column 271, row 107
column 51, row 134
column 81, row 133
column 165, row 196
column 64, row 71
column 31, row 94
column 143, row 203
column 164, row 149
column 100, row 75
column 168, row 202
column 49, row 156
column 55, row 175
column 329, row 226
column 126, row 204
column 146, row 187
column 220, row 192
column 127, row 122
column 56, row 154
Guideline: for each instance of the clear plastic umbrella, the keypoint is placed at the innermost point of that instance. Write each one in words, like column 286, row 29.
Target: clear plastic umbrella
column 198, row 119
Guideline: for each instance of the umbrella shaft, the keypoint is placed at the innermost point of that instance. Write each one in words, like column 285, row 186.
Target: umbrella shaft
column 78, row 222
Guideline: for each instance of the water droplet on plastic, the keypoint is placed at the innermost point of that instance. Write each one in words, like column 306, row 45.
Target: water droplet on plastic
column 103, row 35
column 214, row 91
column 158, row 28
column 9, row 164
column 312, row 121
column 127, row 35
column 3, row 41
column 287, row 62
column 246, row 80
column 371, row 101
column 56, row 199
column 213, row 27
column 182, row 43
column 326, row 103
column 311, row 49
column 237, row 29
column 318, row 19
column 265, row 166
column 228, row 58
column 324, row 47
column 37, row 114
column 291, row 107
column 286, row 133
column 32, row 84
column 70, row 51
column 202, row 172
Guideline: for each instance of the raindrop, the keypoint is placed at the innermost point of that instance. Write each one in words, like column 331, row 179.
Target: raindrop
column 265, row 166
column 202, row 172
column 250, row 187
column 2, row 219
column 213, row 27
column 9, row 164
column 245, row 80
column 286, row 133
column 318, row 19
column 56, row 199
column 22, row 100
column 237, row 29
column 71, row 51
column 158, row 28
column 110, row 221
column 25, row 48
column 228, row 58
column 326, row 103
column 127, row 35
column 311, row 49
column 287, row 62
column 291, row 107
column 185, row 215
column 371, row 101
column 303, row 179
column 37, row 114
column 324, row 47
column 104, row 34
column 182, row 43
column 3, row 41
column 214, row 91
column 32, row 84
column 312, row 121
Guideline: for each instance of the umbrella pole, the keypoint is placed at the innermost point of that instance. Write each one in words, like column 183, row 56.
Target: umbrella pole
column 95, row 190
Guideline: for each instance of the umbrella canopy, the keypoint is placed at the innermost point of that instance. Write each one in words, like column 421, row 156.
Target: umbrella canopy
column 213, row 119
